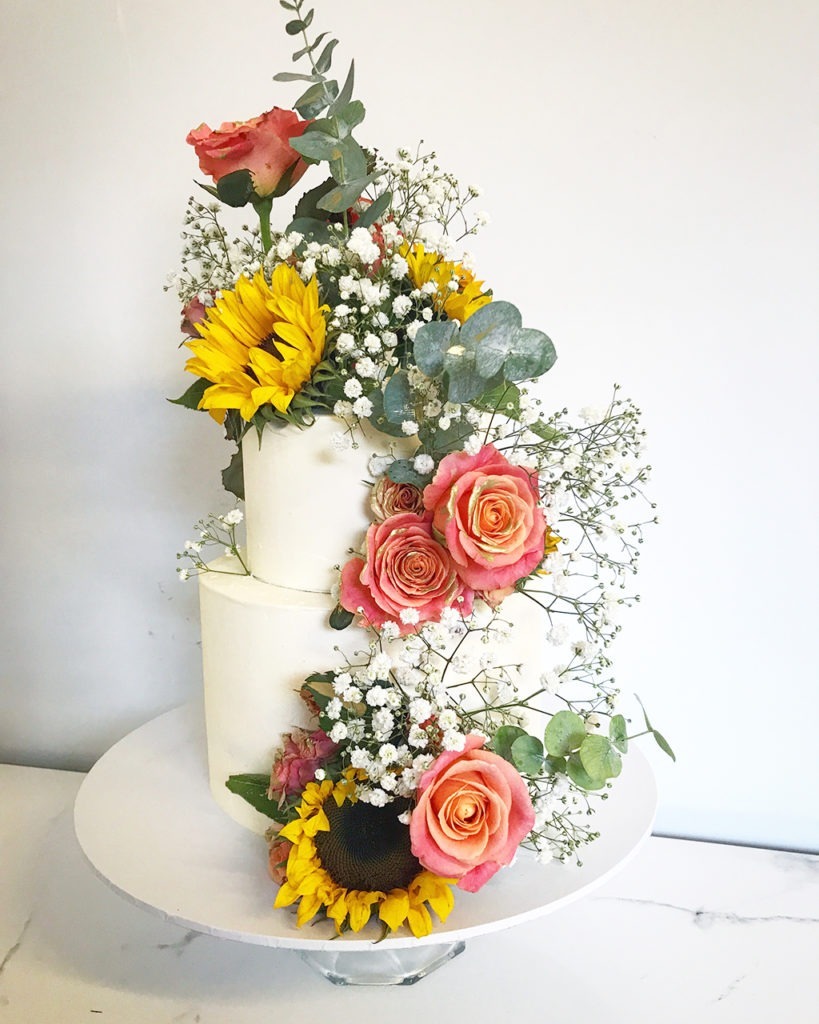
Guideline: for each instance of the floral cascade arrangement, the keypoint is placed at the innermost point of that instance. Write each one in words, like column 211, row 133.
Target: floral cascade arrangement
column 433, row 756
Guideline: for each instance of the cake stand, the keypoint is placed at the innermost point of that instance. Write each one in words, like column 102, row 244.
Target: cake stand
column 147, row 823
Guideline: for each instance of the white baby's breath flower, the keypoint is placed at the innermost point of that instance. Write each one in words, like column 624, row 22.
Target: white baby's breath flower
column 341, row 441
column 409, row 427
column 401, row 305
column 423, row 464
column 409, row 616
column 363, row 407
column 338, row 732
column 353, row 388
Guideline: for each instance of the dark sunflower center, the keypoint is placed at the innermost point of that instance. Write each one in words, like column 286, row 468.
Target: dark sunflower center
column 367, row 847
column 273, row 344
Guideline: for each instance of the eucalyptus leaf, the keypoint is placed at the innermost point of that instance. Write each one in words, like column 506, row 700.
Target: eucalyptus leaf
column 308, row 18
column 430, row 345
column 402, row 472
column 440, row 442
column 527, row 755
column 504, row 738
column 343, row 196
column 465, row 382
column 349, row 162
column 325, row 58
column 599, row 757
column 371, row 214
column 554, row 765
column 663, row 744
column 292, row 28
column 564, row 733
column 191, row 398
column 579, row 776
column 619, row 733
column 353, row 114
column 312, row 229
column 532, row 355
column 310, row 47
column 378, row 417
column 316, row 99
column 287, row 6
column 307, row 206
column 233, row 478
column 294, row 76
column 398, row 398
column 317, row 145
column 346, row 93
column 494, row 317
column 253, row 789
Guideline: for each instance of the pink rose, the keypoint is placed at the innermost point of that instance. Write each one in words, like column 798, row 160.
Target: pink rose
column 405, row 569
column 278, row 853
column 300, row 754
column 389, row 499
column 473, row 812
column 486, row 512
column 192, row 314
column 260, row 145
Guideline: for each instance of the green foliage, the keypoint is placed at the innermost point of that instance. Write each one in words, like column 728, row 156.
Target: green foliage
column 599, row 757
column 430, row 346
column 398, row 405
column 527, row 755
column 233, row 477
column 579, row 776
column 504, row 738
column 236, row 188
column 564, row 733
column 402, row 472
column 253, row 789
column 340, row 618
column 191, row 398
column 618, row 733
column 378, row 206
column 378, row 416
column 343, row 196
column 659, row 739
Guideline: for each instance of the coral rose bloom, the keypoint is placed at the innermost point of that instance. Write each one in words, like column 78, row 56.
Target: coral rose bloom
column 260, row 145
column 473, row 812
column 486, row 512
column 406, row 568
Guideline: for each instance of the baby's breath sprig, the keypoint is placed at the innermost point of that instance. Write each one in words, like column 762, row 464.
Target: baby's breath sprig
column 215, row 530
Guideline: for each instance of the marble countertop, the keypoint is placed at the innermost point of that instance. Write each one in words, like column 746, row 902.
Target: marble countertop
column 688, row 931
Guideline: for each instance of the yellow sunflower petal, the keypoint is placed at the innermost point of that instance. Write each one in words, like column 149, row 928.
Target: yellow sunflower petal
column 394, row 909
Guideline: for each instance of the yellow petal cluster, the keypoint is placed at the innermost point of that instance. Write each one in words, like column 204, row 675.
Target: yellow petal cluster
column 310, row 885
column 259, row 343
column 458, row 304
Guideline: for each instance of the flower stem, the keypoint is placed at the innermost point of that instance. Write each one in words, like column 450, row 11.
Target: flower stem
column 263, row 208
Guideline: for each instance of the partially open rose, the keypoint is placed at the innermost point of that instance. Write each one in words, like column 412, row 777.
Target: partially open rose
column 486, row 512
column 473, row 812
column 390, row 498
column 260, row 145
column 406, row 570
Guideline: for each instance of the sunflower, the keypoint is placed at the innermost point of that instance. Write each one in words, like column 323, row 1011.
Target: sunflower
column 459, row 303
column 349, row 857
column 259, row 343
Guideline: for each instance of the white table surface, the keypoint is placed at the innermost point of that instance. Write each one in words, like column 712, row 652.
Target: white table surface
column 687, row 932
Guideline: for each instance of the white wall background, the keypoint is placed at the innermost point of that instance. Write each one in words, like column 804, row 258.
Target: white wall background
column 651, row 170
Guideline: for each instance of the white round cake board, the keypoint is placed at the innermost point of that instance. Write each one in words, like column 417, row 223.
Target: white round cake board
column 147, row 823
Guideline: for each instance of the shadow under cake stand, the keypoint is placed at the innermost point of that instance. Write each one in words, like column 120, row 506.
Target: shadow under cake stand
column 147, row 823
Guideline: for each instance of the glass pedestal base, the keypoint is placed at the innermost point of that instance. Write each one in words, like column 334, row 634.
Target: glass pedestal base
column 402, row 966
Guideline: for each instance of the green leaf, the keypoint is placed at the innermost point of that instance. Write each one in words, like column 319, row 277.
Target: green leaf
column 619, row 733
column 346, row 93
column 504, row 738
column 564, row 733
column 466, row 382
column 320, row 677
column 292, row 28
column 579, row 776
column 316, row 98
column 233, row 478
column 193, row 396
column 663, row 744
column 527, row 755
column 340, row 618
column 308, row 18
column 398, row 398
column 236, row 188
column 402, row 472
column 287, row 6
column 317, row 145
column 310, row 47
column 439, row 442
column 325, row 58
column 649, row 726
column 599, row 757
column 312, row 229
column 253, row 788
column 554, row 765
column 349, row 162
column 294, row 76
column 371, row 214
column 343, row 196
column 430, row 345
column 532, row 355
column 307, row 205
column 378, row 417
column 492, row 336
column 353, row 114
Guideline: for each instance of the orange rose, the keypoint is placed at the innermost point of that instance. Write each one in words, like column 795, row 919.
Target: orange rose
column 260, row 145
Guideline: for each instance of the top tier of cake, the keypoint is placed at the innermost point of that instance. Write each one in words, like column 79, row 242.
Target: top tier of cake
column 306, row 501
